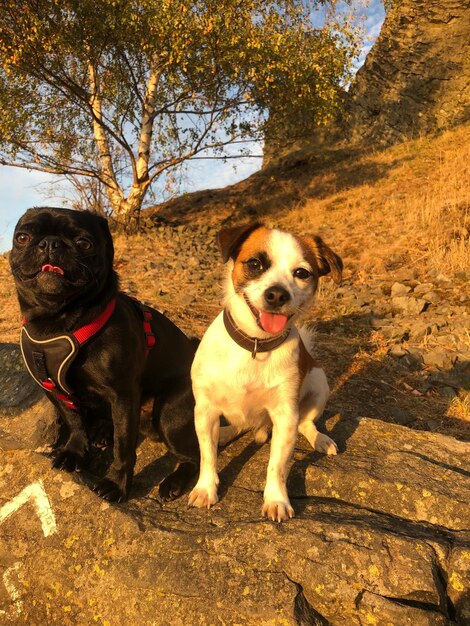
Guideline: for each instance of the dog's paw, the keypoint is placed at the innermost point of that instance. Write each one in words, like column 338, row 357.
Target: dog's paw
column 66, row 460
column 202, row 498
column 109, row 490
column 325, row 444
column 174, row 485
column 102, row 433
column 277, row 511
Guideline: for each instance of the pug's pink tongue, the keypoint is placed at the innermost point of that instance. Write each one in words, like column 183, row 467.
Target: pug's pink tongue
column 272, row 322
column 52, row 268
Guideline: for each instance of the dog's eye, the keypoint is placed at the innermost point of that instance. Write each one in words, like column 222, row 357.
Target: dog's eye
column 301, row 273
column 23, row 238
column 254, row 265
column 84, row 244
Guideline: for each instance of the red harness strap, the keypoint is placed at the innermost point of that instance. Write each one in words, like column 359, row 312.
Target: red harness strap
column 149, row 336
column 86, row 332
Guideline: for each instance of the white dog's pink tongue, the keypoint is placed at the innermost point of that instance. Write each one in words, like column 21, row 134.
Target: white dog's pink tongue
column 272, row 322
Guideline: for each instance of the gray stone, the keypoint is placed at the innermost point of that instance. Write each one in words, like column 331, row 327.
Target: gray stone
column 448, row 392
column 378, row 529
column 406, row 90
column 393, row 332
column 378, row 323
column 439, row 357
column 397, row 351
column 17, row 388
column 398, row 289
column 463, row 275
column 419, row 330
column 423, row 288
column 408, row 305
column 431, row 296
column 401, row 417
column 414, row 356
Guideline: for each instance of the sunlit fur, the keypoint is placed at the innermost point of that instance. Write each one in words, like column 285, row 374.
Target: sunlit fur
column 269, row 390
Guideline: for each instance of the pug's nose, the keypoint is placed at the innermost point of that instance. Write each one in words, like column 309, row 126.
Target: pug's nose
column 51, row 243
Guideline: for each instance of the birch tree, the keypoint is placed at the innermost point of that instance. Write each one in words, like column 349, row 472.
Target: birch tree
column 123, row 91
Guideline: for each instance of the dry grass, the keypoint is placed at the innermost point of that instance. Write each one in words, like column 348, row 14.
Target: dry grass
column 404, row 206
column 408, row 205
column 459, row 408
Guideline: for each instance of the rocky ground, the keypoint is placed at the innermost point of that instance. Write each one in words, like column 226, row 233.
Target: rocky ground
column 381, row 534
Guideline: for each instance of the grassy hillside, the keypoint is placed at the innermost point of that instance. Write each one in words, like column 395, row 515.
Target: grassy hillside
column 398, row 215
column 409, row 204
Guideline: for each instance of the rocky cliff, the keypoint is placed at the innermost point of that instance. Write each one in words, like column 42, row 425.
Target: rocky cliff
column 416, row 79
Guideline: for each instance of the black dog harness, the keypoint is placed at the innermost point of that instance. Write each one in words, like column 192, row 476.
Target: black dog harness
column 48, row 360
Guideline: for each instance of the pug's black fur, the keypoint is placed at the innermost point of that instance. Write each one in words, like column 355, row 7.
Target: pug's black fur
column 111, row 374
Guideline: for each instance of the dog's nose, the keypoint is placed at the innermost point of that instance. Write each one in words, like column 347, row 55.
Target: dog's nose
column 50, row 243
column 276, row 296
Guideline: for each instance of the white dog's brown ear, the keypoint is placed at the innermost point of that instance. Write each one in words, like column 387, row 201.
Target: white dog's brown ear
column 231, row 239
column 325, row 259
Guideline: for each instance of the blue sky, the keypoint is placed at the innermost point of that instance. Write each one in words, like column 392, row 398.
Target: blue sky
column 20, row 189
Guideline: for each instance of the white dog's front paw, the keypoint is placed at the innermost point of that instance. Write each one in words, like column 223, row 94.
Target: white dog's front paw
column 277, row 511
column 202, row 498
column 325, row 444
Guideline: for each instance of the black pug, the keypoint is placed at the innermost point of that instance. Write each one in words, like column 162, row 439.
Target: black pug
column 98, row 353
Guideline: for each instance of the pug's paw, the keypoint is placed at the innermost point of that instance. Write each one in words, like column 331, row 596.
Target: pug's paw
column 110, row 491
column 175, row 484
column 66, row 460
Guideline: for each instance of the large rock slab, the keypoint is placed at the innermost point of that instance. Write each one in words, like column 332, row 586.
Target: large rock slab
column 381, row 536
column 415, row 79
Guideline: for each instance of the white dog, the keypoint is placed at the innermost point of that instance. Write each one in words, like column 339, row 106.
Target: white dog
column 252, row 365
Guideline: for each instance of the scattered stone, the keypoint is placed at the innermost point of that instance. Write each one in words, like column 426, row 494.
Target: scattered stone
column 423, row 288
column 17, row 390
column 419, row 330
column 463, row 275
column 398, row 289
column 397, row 351
column 394, row 332
column 401, row 417
column 432, row 297
column 414, row 358
column 442, row 278
column 378, row 323
column 438, row 357
column 408, row 305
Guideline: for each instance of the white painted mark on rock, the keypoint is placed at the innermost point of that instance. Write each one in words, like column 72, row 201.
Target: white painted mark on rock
column 37, row 494
column 15, row 595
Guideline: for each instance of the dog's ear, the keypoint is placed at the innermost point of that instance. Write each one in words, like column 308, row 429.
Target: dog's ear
column 231, row 239
column 325, row 259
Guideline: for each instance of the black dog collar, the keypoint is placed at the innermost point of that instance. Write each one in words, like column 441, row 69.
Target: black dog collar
column 252, row 344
